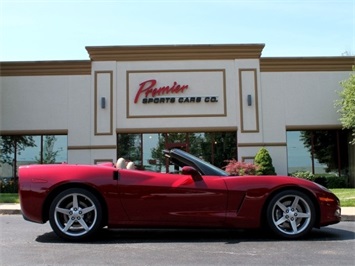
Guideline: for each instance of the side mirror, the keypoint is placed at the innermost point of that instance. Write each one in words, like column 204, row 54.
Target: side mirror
column 188, row 170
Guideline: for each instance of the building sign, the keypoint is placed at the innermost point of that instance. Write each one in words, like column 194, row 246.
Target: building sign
column 176, row 93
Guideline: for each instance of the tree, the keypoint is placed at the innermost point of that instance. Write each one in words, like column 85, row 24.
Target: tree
column 346, row 104
column 195, row 143
column 213, row 147
column 328, row 147
column 321, row 145
column 263, row 162
column 11, row 146
column 129, row 147
column 48, row 155
column 223, row 147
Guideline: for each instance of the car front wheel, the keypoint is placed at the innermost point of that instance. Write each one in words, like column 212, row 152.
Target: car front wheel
column 75, row 214
column 291, row 214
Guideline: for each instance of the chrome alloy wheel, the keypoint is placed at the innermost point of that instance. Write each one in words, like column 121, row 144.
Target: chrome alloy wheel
column 291, row 214
column 75, row 214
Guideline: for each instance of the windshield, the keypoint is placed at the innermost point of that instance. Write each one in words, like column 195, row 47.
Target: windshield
column 214, row 168
column 204, row 167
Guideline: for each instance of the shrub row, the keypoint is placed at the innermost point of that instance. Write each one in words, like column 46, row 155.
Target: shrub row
column 330, row 181
column 8, row 186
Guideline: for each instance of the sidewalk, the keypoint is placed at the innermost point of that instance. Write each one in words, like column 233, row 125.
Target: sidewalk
column 347, row 213
column 10, row 208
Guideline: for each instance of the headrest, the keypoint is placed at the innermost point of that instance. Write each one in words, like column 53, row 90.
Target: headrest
column 131, row 166
column 121, row 163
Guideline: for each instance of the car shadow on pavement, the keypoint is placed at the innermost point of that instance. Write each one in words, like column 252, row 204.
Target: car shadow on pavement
column 127, row 236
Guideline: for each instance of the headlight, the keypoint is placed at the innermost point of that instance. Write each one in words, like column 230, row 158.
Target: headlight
column 327, row 199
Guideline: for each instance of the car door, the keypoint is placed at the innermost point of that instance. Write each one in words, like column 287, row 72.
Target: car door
column 173, row 199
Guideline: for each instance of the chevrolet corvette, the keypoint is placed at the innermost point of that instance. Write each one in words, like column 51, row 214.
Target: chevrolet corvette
column 79, row 200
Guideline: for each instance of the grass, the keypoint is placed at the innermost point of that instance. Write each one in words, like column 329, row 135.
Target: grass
column 346, row 196
column 9, row 198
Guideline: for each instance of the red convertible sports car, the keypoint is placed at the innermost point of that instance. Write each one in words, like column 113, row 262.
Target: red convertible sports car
column 79, row 200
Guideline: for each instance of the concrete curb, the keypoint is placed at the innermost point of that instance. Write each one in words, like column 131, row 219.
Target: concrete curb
column 10, row 208
column 348, row 218
column 348, row 213
column 8, row 212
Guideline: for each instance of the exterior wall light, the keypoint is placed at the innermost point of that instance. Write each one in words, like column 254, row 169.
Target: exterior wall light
column 249, row 99
column 103, row 102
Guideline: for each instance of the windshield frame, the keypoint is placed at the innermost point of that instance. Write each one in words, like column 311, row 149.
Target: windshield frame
column 204, row 167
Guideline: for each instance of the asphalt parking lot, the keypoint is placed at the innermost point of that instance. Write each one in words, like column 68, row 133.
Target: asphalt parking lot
column 26, row 243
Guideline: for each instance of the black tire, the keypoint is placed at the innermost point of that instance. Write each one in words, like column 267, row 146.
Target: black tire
column 291, row 214
column 75, row 214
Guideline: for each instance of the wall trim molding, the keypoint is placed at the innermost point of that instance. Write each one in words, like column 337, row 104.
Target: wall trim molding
column 34, row 132
column 45, row 68
column 174, row 52
column 306, row 64
column 173, row 130
column 262, row 144
column 93, row 147
column 312, row 127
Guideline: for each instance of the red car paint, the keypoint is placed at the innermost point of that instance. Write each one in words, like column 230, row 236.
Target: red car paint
column 133, row 198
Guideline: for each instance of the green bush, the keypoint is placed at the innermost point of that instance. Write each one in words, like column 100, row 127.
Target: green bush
column 328, row 181
column 336, row 182
column 263, row 162
column 321, row 180
column 304, row 174
column 10, row 186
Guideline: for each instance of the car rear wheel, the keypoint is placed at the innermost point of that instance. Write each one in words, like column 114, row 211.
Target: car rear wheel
column 75, row 214
column 291, row 214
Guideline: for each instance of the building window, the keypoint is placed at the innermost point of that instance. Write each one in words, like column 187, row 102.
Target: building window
column 17, row 150
column 318, row 151
column 146, row 150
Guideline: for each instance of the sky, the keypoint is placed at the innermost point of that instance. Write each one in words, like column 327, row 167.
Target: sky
column 37, row 30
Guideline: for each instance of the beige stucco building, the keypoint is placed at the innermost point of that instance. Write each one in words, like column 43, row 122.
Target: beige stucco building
column 184, row 88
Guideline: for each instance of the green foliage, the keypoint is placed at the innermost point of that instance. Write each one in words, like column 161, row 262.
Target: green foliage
column 48, row 155
column 9, row 198
column 8, row 186
column 322, row 144
column 11, row 146
column 263, row 162
column 328, row 181
column 129, row 147
column 224, row 146
column 304, row 174
column 346, row 196
column 200, row 144
column 346, row 104
column 336, row 182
